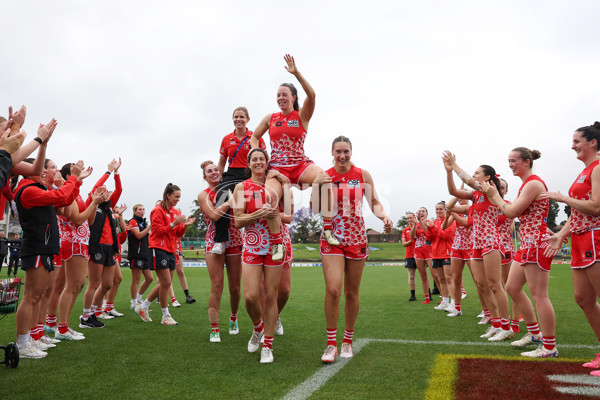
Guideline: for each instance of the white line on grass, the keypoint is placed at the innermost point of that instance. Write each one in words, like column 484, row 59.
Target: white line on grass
column 312, row 384
column 305, row 389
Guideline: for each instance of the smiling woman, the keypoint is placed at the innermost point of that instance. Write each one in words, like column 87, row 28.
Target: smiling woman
column 230, row 254
column 584, row 227
column 287, row 131
column 252, row 212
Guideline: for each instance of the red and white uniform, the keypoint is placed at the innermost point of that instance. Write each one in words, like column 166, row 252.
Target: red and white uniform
column 422, row 245
column 74, row 239
column 287, row 139
column 461, row 246
column 533, row 229
column 504, row 234
column 485, row 222
column 231, row 143
column 410, row 249
column 441, row 239
column 234, row 245
column 585, row 234
column 348, row 224
column 257, row 240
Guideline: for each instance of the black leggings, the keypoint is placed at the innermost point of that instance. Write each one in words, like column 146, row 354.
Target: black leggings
column 231, row 177
column 13, row 261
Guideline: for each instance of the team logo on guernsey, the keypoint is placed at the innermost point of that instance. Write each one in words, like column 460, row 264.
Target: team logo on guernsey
column 278, row 123
column 256, row 195
column 353, row 183
column 294, row 123
column 581, row 178
column 480, row 199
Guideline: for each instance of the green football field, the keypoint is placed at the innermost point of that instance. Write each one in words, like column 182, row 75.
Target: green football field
column 397, row 346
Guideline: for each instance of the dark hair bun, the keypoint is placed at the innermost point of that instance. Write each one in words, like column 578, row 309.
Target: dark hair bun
column 596, row 125
column 535, row 154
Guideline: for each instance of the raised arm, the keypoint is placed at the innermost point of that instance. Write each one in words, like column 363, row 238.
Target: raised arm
column 451, row 166
column 308, row 107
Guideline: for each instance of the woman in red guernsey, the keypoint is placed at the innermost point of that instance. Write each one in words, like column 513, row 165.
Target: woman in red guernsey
column 530, row 265
column 441, row 241
column 103, row 246
column 140, row 257
column 422, row 251
column 233, row 154
column 75, row 234
column 487, row 256
column 583, row 226
column 409, row 257
column 230, row 257
column 37, row 216
column 287, row 131
column 344, row 264
column 168, row 224
column 251, row 211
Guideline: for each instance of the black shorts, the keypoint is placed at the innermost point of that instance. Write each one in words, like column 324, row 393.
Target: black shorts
column 163, row 260
column 440, row 262
column 140, row 264
column 410, row 263
column 47, row 260
column 103, row 254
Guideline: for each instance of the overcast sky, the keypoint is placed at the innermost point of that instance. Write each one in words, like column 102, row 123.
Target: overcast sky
column 156, row 83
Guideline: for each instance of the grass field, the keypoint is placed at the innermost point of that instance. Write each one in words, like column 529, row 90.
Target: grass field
column 130, row 359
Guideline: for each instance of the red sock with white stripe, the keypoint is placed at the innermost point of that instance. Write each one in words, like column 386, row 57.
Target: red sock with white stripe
column 549, row 342
column 534, row 329
column 348, row 336
column 38, row 332
column 215, row 327
column 268, row 342
column 486, row 313
column 173, row 299
column 327, row 224
column 514, row 324
column 63, row 328
column 505, row 324
column 496, row 323
column 233, row 317
column 51, row 320
column 458, row 307
column 331, row 337
column 259, row 326
column 109, row 307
